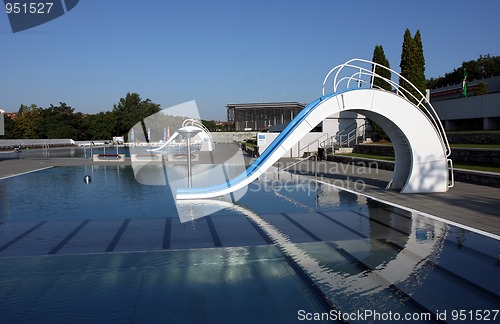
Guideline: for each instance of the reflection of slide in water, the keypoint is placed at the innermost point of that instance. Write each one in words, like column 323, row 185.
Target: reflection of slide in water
column 421, row 161
column 334, row 284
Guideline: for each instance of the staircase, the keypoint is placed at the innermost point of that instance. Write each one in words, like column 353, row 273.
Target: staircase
column 345, row 139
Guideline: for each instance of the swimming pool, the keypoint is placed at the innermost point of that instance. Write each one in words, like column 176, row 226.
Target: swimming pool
column 115, row 251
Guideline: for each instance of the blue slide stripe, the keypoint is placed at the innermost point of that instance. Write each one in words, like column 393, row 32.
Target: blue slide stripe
column 273, row 147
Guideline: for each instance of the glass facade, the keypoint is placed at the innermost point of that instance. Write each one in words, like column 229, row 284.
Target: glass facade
column 260, row 116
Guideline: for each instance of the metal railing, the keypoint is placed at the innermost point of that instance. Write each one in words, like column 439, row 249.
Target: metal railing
column 316, row 141
column 355, row 70
column 341, row 140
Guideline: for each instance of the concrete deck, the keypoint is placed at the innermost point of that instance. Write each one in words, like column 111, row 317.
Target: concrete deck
column 467, row 204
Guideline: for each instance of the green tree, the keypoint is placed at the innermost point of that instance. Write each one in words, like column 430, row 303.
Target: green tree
column 412, row 66
column 132, row 110
column 27, row 122
column 484, row 67
column 9, row 127
column 209, row 124
column 407, row 59
column 101, row 126
column 60, row 122
column 419, row 73
column 380, row 58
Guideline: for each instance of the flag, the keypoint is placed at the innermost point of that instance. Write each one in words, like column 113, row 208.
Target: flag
column 164, row 134
column 464, row 84
column 168, row 133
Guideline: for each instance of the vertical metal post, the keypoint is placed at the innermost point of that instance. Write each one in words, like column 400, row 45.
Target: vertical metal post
column 373, row 76
column 190, row 183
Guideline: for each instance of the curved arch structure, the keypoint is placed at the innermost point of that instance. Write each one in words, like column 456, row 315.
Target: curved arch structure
column 421, row 161
column 420, row 146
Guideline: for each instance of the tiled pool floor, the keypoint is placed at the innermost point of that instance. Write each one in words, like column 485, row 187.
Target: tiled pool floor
column 30, row 238
column 357, row 258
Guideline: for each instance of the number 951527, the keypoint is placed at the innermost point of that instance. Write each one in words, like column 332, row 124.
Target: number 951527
column 31, row 7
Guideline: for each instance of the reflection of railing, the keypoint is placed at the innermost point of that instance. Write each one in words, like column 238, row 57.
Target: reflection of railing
column 364, row 76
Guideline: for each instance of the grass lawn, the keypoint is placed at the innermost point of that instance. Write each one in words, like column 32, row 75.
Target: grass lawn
column 486, row 146
column 487, row 168
column 368, row 156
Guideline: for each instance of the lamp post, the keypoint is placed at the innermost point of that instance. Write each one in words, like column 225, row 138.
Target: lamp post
column 188, row 132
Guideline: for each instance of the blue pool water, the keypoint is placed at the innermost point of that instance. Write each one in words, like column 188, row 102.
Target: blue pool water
column 61, row 194
column 114, row 251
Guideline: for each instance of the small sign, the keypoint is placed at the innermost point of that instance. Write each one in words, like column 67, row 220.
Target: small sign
column 261, row 140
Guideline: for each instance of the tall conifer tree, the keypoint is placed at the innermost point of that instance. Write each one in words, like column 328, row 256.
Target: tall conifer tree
column 419, row 80
column 407, row 60
column 379, row 57
column 412, row 65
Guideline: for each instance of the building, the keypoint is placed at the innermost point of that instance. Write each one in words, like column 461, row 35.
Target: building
column 474, row 112
column 273, row 117
column 260, row 116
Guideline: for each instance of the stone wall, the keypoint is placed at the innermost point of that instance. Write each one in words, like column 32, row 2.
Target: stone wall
column 474, row 138
column 458, row 155
column 231, row 137
column 473, row 155
column 374, row 149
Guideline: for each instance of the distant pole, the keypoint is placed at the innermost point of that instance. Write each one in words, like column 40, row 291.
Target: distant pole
column 190, row 172
column 188, row 132
column 464, row 84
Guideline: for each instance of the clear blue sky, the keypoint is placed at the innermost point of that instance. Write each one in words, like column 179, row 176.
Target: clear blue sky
column 219, row 52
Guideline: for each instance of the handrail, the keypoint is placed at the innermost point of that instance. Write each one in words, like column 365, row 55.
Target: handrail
column 450, row 170
column 360, row 75
column 353, row 125
column 313, row 141
column 328, row 142
column 351, row 136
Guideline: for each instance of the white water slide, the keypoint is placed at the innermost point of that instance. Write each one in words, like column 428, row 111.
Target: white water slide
column 420, row 144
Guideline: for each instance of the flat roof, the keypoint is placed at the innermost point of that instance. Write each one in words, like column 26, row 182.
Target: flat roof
column 288, row 104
